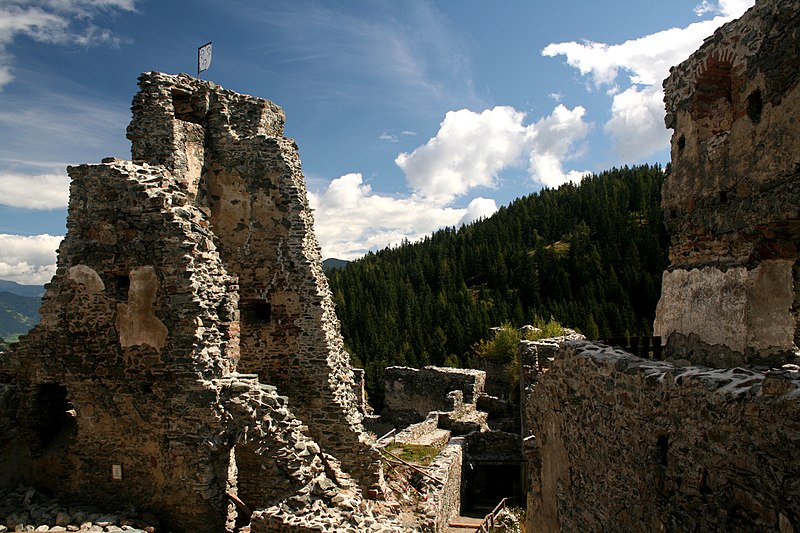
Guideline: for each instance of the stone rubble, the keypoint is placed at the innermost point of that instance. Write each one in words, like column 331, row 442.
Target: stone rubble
column 25, row 509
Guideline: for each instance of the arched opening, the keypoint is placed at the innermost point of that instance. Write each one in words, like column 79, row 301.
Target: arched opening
column 712, row 102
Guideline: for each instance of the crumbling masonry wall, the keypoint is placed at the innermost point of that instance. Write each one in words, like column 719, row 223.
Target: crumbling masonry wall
column 129, row 391
column 229, row 151
column 709, row 440
column 628, row 444
column 732, row 197
column 412, row 393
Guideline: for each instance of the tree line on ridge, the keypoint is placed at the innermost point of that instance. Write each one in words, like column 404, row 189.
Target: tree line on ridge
column 588, row 255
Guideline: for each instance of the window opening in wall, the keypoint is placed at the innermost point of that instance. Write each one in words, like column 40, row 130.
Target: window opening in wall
column 712, row 102
column 120, row 287
column 662, row 450
column 184, row 108
column 755, row 104
column 681, row 143
column 53, row 415
column 256, row 311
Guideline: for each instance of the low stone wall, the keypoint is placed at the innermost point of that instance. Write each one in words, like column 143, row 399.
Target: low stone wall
column 412, row 433
column 411, row 393
column 628, row 444
column 442, row 499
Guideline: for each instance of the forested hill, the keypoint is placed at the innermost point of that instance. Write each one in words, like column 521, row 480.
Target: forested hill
column 588, row 255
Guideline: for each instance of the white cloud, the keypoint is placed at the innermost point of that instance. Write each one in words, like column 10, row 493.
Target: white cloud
column 726, row 8
column 468, row 151
column 477, row 209
column 646, row 61
column 553, row 140
column 54, row 22
column 471, row 149
column 636, row 125
column 45, row 191
column 28, row 259
column 351, row 219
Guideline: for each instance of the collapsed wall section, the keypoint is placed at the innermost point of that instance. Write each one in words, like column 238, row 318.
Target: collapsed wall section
column 229, row 151
column 732, row 197
column 412, row 393
column 125, row 394
column 628, row 444
column 137, row 318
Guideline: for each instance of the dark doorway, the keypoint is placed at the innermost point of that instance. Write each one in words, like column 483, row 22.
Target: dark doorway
column 52, row 417
column 486, row 483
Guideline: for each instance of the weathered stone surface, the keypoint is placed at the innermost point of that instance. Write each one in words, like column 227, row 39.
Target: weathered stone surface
column 626, row 444
column 180, row 272
column 412, row 393
column 747, row 311
column 442, row 498
column 732, row 197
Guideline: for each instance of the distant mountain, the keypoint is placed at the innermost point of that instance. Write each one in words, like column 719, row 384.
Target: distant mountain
column 13, row 287
column 333, row 263
column 18, row 314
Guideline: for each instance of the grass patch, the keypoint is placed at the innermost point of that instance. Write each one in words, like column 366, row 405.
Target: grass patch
column 413, row 453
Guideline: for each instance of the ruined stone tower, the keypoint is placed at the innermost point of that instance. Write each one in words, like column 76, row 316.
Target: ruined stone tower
column 188, row 346
column 732, row 199
column 709, row 439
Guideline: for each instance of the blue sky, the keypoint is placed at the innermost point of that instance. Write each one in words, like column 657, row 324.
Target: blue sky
column 410, row 115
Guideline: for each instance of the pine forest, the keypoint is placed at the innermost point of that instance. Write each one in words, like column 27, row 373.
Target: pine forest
column 589, row 255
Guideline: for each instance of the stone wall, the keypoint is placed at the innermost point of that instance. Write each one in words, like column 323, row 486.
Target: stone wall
column 732, row 197
column 411, row 393
column 627, row 444
column 229, row 150
column 178, row 272
column 442, row 498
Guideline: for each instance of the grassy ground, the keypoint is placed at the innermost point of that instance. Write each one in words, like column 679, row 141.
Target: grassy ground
column 413, row 453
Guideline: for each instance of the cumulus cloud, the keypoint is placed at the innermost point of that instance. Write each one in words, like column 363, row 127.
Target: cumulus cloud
column 54, row 22
column 646, row 61
column 636, row 123
column 471, row 149
column 477, row 209
column 553, row 140
column 28, row 259
column 726, row 8
column 45, row 191
column 468, row 151
column 351, row 219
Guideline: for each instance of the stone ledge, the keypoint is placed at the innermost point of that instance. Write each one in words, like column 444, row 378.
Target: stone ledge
column 783, row 382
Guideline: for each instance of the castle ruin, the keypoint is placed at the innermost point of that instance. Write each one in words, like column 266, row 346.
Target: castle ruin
column 707, row 440
column 732, row 198
column 188, row 355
